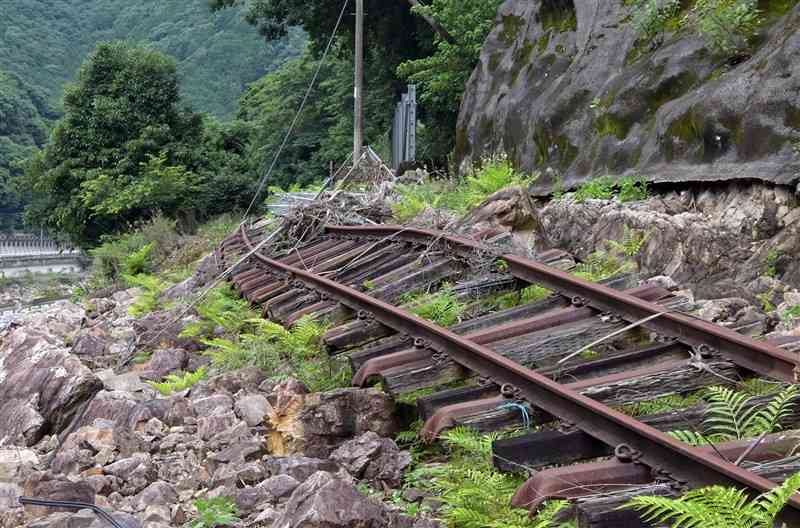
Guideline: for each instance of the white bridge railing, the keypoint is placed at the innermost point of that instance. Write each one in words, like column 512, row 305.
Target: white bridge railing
column 22, row 245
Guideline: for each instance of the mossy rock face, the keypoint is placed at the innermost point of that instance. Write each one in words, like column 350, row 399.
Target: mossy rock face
column 560, row 94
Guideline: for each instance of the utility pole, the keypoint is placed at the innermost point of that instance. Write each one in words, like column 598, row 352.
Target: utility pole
column 358, row 135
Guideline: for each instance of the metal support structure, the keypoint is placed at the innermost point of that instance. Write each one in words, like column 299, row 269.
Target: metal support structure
column 358, row 90
column 404, row 129
column 657, row 450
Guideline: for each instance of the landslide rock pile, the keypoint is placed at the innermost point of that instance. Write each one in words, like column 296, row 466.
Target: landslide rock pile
column 79, row 422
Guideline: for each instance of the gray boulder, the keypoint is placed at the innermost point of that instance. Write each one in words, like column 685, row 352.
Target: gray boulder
column 35, row 368
column 373, row 459
column 324, row 501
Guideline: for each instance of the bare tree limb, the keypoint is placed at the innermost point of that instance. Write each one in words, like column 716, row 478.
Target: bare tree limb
column 432, row 22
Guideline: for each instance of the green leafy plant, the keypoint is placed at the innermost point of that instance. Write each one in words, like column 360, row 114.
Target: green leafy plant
column 526, row 295
column 596, row 189
column 651, row 17
column 633, row 189
column 177, row 382
column 728, row 26
column 442, row 307
column 790, row 314
column 671, row 402
column 149, row 300
column 771, row 263
column 282, row 352
column 633, row 240
column 730, row 415
column 474, row 494
column 212, row 513
column 717, row 507
column 494, row 174
column 222, row 308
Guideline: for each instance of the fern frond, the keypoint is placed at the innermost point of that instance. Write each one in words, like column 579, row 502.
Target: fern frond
column 690, row 437
column 679, row 513
column 773, row 501
column 727, row 412
column 769, row 418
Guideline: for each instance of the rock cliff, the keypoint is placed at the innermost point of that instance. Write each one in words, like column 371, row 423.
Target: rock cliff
column 570, row 89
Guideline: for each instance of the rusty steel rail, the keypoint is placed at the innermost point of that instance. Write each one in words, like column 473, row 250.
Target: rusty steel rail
column 757, row 356
column 658, row 450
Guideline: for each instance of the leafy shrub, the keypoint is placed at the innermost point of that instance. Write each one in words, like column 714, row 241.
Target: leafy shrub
column 631, row 244
column 771, row 263
column 149, row 300
column 527, row 295
column 791, row 314
column 728, row 26
column 494, row 174
column 177, row 382
column 718, row 507
column 633, row 189
column 730, row 416
column 652, row 17
column 296, row 352
column 475, row 495
column 442, row 307
column 596, row 189
column 211, row 513
column 222, row 308
column 136, row 252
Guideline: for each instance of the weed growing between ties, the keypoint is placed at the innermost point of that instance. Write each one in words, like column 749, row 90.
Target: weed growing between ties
column 717, row 507
column 475, row 495
column 441, row 307
column 731, row 415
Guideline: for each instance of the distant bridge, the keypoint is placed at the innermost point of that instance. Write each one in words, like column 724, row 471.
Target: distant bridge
column 22, row 253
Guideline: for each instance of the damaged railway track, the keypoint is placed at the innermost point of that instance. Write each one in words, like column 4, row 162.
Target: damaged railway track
column 521, row 363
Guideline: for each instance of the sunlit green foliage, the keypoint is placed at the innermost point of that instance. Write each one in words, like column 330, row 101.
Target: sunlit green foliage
column 730, row 415
column 443, row 75
column 181, row 381
column 493, row 175
column 672, row 402
column 150, row 299
column 221, row 308
column 474, row 493
column 215, row 512
column 728, row 26
column 441, row 307
column 518, row 298
column 281, row 352
column 717, row 507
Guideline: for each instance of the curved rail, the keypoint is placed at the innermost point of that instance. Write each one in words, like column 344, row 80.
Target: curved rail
column 757, row 356
column 658, row 450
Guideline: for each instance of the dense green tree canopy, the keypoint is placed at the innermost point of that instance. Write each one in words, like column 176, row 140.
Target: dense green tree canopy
column 125, row 149
column 405, row 48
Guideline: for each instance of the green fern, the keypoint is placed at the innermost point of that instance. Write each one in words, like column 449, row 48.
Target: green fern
column 717, row 507
column 295, row 352
column 631, row 244
column 149, row 300
column 474, row 494
column 442, row 308
column 181, row 381
column 212, row 513
column 731, row 415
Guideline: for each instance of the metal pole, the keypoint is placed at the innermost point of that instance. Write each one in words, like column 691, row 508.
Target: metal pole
column 358, row 136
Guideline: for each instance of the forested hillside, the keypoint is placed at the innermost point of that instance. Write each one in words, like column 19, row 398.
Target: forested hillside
column 43, row 42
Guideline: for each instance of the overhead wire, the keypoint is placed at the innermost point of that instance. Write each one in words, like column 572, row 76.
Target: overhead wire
column 303, row 103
